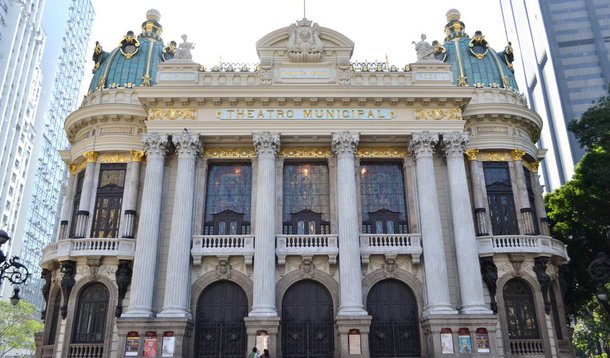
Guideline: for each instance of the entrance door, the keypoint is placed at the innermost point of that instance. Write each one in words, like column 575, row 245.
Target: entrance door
column 307, row 321
column 395, row 325
column 220, row 330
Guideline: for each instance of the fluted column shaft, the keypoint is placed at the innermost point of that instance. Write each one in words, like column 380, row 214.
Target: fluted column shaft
column 130, row 194
column 350, row 273
column 526, row 211
column 437, row 282
column 267, row 146
column 66, row 208
column 469, row 273
column 177, row 280
column 145, row 262
column 86, row 194
column 478, row 187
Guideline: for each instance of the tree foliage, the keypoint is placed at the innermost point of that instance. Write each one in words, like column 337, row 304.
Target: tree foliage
column 17, row 327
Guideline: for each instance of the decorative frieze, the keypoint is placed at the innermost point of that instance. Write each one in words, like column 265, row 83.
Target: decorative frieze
column 172, row 113
column 137, row 155
column 438, row 114
column 382, row 152
column 305, row 152
column 229, row 153
column 91, row 156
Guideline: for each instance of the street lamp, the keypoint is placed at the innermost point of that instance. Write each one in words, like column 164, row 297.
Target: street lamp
column 599, row 269
column 11, row 269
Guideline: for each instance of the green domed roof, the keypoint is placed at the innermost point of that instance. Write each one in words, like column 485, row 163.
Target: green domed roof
column 134, row 62
column 474, row 62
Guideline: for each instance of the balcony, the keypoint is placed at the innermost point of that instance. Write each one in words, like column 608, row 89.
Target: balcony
column 528, row 244
column 390, row 245
column 223, row 246
column 71, row 248
column 307, row 246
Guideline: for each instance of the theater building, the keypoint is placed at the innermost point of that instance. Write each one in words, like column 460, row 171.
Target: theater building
column 311, row 206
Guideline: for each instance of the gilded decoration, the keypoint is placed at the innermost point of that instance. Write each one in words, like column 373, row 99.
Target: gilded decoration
column 438, row 114
column 137, row 155
column 382, row 152
column 229, row 153
column 472, row 154
column 115, row 158
column 91, row 156
column 517, row 154
column 305, row 152
column 172, row 113
column 73, row 168
column 495, row 156
column 533, row 166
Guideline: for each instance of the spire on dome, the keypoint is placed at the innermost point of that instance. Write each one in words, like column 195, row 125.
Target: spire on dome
column 151, row 27
column 454, row 28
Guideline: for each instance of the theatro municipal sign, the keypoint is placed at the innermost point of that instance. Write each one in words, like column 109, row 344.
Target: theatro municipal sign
column 306, row 113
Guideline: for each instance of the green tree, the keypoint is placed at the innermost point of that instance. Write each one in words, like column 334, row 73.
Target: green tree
column 17, row 327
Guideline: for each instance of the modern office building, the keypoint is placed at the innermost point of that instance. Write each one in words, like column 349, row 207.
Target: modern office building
column 63, row 65
column 309, row 206
column 563, row 48
column 21, row 44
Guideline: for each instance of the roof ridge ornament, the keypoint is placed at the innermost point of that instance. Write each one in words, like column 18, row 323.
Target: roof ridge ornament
column 304, row 43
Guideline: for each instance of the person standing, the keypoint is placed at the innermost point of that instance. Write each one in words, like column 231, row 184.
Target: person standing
column 254, row 353
column 265, row 353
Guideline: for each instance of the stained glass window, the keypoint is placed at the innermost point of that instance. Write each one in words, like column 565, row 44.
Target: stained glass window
column 500, row 198
column 382, row 191
column 228, row 197
column 109, row 198
column 306, row 195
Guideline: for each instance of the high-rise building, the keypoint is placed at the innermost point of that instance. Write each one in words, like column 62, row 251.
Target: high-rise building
column 564, row 66
column 62, row 68
column 21, row 45
column 309, row 205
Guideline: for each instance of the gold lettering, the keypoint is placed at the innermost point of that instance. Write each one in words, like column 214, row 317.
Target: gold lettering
column 270, row 113
column 280, row 113
column 250, row 114
column 330, row 113
column 306, row 113
column 380, row 115
column 260, row 114
column 240, row 113
column 319, row 113
column 345, row 114
column 360, row 113
column 290, row 113
column 371, row 115
column 230, row 113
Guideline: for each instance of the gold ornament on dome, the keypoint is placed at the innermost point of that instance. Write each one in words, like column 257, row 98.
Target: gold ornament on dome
column 305, row 152
column 137, row 155
column 517, row 154
column 91, row 156
column 382, row 152
column 229, row 153
column 438, row 114
column 472, row 154
column 171, row 113
column 115, row 158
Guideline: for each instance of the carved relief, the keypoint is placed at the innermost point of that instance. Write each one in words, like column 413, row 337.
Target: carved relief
column 489, row 272
column 187, row 145
column 345, row 143
column 423, row 144
column 454, row 143
column 68, row 270
column 544, row 280
column 155, row 144
column 304, row 44
column 382, row 152
column 223, row 269
column 307, row 267
column 305, row 152
column 437, row 114
column 123, row 280
column 229, row 153
column 172, row 113
column 47, row 277
column 266, row 143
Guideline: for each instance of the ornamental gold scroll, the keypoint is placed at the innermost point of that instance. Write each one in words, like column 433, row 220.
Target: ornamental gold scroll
column 438, row 114
column 171, row 113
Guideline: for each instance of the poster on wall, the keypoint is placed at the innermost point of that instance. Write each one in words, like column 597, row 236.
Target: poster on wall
column 132, row 344
column 150, row 344
column 169, row 344
column 464, row 340
column 355, row 346
column 482, row 341
column 446, row 341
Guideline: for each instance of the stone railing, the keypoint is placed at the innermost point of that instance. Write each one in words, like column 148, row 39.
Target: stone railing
column 223, row 246
column 527, row 347
column 522, row 244
column 390, row 244
column 86, row 351
column 65, row 249
column 47, row 351
column 307, row 245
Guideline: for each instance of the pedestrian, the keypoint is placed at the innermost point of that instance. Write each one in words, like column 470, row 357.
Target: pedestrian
column 266, row 353
column 254, row 353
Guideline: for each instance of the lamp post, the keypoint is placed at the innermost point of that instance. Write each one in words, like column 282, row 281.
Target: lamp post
column 11, row 269
column 599, row 269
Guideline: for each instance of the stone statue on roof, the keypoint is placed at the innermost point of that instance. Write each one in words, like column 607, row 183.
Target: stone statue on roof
column 183, row 52
column 425, row 51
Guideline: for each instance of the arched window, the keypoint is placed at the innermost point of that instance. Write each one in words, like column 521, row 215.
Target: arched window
column 91, row 313
column 306, row 208
column 520, row 310
column 108, row 201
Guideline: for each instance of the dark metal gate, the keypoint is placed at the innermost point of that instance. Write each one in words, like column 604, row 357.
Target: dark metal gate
column 220, row 330
column 307, row 321
column 395, row 325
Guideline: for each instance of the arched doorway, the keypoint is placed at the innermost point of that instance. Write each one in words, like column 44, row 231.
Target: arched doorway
column 395, row 325
column 521, row 320
column 220, row 330
column 307, row 321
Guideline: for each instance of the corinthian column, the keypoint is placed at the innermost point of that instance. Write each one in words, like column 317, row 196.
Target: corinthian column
column 267, row 146
column 85, row 196
column 527, row 219
column 435, row 265
column 130, row 195
column 177, row 279
column 471, row 287
column 350, row 275
column 147, row 241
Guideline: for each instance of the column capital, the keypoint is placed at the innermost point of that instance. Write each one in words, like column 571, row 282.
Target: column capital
column 91, row 156
column 187, row 144
column 73, row 168
column 155, row 144
column 422, row 144
column 517, row 154
column 137, row 155
column 454, row 144
column 345, row 143
column 266, row 143
column 472, row 154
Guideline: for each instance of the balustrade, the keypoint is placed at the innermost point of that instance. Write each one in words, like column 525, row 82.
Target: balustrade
column 526, row 347
column 521, row 244
column 222, row 246
column 69, row 248
column 307, row 245
column 86, row 351
column 390, row 244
